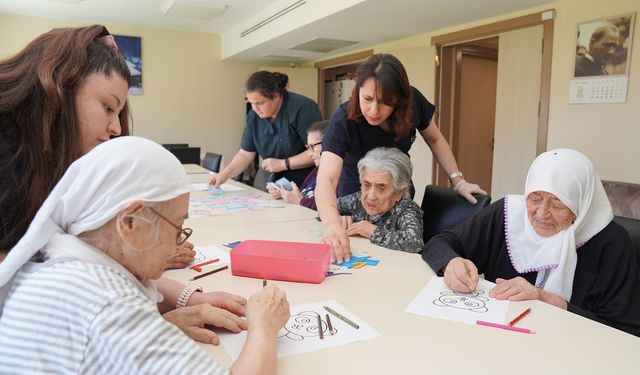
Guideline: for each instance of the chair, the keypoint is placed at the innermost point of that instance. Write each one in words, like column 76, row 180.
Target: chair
column 261, row 179
column 212, row 161
column 444, row 209
column 186, row 155
column 624, row 198
column 174, row 145
column 633, row 227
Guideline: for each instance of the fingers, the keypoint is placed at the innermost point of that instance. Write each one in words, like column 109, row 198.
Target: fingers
column 516, row 289
column 268, row 309
column 461, row 275
column 203, row 335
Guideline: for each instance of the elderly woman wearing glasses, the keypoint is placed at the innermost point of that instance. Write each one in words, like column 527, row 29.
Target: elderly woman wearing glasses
column 77, row 292
column 305, row 194
column 382, row 210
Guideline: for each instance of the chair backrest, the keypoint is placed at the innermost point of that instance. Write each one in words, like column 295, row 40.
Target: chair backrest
column 444, row 209
column 624, row 198
column 173, row 145
column 186, row 155
column 212, row 161
column 261, row 179
column 633, row 227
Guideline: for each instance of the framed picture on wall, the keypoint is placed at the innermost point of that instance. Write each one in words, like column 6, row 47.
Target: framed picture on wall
column 601, row 66
column 131, row 49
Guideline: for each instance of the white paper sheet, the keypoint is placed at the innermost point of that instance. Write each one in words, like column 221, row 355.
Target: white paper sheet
column 204, row 186
column 206, row 253
column 438, row 301
column 301, row 333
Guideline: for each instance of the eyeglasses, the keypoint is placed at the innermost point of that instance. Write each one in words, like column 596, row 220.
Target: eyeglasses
column 183, row 234
column 311, row 146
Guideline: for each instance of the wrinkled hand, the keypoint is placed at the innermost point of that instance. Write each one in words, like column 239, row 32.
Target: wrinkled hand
column 362, row 228
column 183, row 257
column 461, row 275
column 273, row 165
column 465, row 189
column 336, row 236
column 346, row 221
column 223, row 300
column 268, row 310
column 274, row 192
column 516, row 289
column 193, row 319
column 294, row 196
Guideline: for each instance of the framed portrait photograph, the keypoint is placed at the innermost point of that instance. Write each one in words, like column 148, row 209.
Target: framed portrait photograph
column 602, row 60
column 131, row 49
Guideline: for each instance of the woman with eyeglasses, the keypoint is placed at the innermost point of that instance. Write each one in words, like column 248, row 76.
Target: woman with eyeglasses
column 305, row 194
column 276, row 130
column 78, row 293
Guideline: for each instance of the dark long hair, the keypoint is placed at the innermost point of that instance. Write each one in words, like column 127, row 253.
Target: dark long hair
column 37, row 104
column 268, row 84
column 391, row 79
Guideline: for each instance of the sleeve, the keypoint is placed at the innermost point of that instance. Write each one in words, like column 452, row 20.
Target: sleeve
column 407, row 234
column 336, row 137
column 308, row 114
column 348, row 205
column 309, row 203
column 423, row 110
column 247, row 142
column 476, row 239
column 131, row 336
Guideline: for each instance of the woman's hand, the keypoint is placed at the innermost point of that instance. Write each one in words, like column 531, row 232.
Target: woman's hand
column 230, row 302
column 336, row 236
column 362, row 228
column 273, row 165
column 268, row 310
column 294, row 196
column 519, row 289
column 193, row 319
column 183, row 257
column 465, row 189
column 461, row 275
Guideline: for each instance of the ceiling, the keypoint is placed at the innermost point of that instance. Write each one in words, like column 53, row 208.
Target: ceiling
column 362, row 22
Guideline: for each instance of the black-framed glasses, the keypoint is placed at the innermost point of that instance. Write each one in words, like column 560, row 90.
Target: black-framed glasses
column 183, row 233
column 311, row 146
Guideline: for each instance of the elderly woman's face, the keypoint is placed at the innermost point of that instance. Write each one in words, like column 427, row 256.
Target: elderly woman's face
column 378, row 194
column 547, row 214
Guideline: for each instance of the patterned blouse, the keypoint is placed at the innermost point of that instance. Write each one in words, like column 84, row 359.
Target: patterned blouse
column 398, row 229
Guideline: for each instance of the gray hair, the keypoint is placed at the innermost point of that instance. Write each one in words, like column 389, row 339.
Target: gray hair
column 388, row 160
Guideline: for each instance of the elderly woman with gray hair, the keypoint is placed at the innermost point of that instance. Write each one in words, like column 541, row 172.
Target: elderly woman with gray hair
column 382, row 210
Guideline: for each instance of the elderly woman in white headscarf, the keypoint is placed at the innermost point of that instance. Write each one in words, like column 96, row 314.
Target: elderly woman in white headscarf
column 77, row 292
column 556, row 243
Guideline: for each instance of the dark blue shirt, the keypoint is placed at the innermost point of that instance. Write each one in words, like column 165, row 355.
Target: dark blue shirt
column 351, row 140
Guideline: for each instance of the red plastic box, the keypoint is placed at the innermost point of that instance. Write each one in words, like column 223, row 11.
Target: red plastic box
column 279, row 260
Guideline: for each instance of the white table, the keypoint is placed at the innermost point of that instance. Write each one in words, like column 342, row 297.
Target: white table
column 194, row 169
column 413, row 344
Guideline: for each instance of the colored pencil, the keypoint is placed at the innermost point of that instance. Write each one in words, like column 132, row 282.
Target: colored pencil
column 208, row 273
column 198, row 267
column 517, row 318
column 341, row 317
column 329, row 324
column 320, row 327
column 504, row 326
column 264, row 282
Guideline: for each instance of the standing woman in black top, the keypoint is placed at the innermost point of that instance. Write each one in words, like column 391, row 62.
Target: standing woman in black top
column 384, row 111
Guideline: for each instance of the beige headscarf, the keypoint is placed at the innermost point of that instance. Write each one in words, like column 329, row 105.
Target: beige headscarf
column 570, row 176
column 91, row 192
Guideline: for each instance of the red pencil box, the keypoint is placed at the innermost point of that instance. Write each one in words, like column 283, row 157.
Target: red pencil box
column 280, row 260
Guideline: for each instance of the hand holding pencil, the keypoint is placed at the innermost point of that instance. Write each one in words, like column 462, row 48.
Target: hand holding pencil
column 461, row 275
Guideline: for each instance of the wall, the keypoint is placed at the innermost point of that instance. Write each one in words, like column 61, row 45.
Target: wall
column 189, row 94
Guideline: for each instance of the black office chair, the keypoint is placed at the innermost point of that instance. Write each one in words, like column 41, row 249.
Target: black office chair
column 633, row 227
column 186, row 155
column 261, row 179
column 444, row 209
column 174, row 145
column 212, row 161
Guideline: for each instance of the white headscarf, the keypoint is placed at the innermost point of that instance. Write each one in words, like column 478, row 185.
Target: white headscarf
column 570, row 176
column 91, row 192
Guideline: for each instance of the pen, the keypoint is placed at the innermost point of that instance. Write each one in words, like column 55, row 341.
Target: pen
column 329, row 324
column 198, row 267
column 208, row 273
column 517, row 318
column 320, row 327
column 341, row 317
column 503, row 326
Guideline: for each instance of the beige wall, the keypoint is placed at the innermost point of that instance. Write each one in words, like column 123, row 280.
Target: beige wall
column 189, row 94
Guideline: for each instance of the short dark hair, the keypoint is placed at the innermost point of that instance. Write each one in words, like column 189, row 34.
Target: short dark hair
column 319, row 127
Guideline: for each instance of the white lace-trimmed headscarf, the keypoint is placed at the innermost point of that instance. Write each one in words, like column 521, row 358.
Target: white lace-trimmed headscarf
column 92, row 191
column 571, row 177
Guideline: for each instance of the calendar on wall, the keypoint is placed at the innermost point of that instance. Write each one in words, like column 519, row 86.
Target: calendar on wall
column 601, row 69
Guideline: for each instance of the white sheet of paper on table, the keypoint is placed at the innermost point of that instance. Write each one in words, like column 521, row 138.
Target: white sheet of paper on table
column 437, row 300
column 300, row 334
column 225, row 187
column 206, row 253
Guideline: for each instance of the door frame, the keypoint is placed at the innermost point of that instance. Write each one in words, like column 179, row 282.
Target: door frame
column 446, row 90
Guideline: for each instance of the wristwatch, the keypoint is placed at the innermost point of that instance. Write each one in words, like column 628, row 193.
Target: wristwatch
column 455, row 174
column 286, row 164
column 186, row 293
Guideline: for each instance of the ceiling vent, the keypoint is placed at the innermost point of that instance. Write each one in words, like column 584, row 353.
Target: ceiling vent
column 270, row 56
column 193, row 9
column 272, row 18
column 323, row 45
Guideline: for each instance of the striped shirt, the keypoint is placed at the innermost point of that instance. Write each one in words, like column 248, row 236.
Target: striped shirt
column 75, row 317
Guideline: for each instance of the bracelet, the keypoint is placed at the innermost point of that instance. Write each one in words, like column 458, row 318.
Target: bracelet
column 286, row 164
column 455, row 174
column 186, row 293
